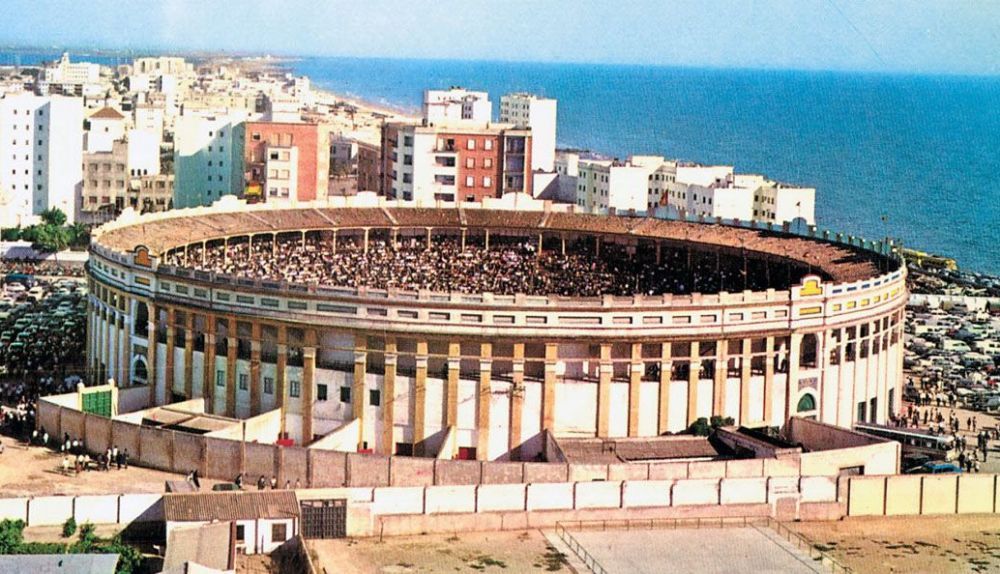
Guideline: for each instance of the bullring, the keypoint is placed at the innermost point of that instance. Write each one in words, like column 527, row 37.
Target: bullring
column 734, row 320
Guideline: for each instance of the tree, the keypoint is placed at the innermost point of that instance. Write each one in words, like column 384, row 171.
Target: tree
column 11, row 535
column 69, row 527
column 51, row 238
column 54, row 216
column 10, row 234
column 79, row 235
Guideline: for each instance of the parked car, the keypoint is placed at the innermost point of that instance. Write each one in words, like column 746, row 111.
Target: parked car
column 935, row 467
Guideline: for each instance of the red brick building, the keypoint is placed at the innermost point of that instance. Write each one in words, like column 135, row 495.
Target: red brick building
column 285, row 161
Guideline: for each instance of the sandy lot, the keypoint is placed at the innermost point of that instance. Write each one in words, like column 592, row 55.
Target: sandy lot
column 36, row 471
column 508, row 552
column 910, row 544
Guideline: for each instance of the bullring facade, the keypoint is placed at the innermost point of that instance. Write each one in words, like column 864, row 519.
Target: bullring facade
column 480, row 374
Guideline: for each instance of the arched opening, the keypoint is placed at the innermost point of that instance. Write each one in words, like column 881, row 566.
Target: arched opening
column 140, row 371
column 806, row 404
column 807, row 352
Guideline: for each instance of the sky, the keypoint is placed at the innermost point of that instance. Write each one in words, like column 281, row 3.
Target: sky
column 898, row 36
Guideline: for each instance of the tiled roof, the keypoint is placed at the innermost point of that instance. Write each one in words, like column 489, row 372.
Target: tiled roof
column 207, row 506
column 107, row 114
column 605, row 451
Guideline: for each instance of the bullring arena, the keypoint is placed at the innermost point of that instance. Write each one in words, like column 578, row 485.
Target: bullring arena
column 473, row 332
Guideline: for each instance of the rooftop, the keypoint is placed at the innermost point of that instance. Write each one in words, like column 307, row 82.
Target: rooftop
column 224, row 506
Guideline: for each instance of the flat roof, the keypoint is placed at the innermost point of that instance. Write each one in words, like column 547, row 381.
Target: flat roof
column 649, row 449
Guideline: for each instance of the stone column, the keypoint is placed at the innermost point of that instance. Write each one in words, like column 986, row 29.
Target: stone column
column 604, row 374
column 634, row 389
column 255, row 384
column 666, row 371
column 484, row 396
column 389, row 398
column 189, row 355
column 420, row 399
column 232, row 337
column 792, row 379
column 516, row 398
column 359, row 398
column 721, row 376
column 90, row 334
column 549, row 387
column 745, row 374
column 151, row 351
column 768, row 381
column 171, row 345
column 694, row 373
column 208, row 370
column 280, row 366
column 308, row 385
column 451, row 391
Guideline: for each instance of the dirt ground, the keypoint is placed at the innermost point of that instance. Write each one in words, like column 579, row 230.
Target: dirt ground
column 507, row 552
column 910, row 544
column 26, row 471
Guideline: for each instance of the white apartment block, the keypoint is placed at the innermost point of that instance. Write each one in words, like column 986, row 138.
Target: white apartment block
column 623, row 186
column 158, row 66
column 208, row 158
column 457, row 105
column 149, row 118
column 41, row 150
column 107, row 126
column 716, row 191
column 66, row 73
column 539, row 114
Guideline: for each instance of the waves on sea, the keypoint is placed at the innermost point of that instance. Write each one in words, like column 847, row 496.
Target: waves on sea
column 924, row 151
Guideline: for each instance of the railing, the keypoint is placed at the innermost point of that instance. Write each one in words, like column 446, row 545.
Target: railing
column 588, row 560
column 794, row 538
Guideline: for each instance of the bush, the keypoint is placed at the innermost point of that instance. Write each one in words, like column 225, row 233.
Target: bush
column 69, row 527
column 700, row 427
column 11, row 535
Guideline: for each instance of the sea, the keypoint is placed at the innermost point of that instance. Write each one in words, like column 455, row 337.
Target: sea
column 913, row 157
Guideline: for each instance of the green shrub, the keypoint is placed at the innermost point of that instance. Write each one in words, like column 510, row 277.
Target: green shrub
column 11, row 535
column 69, row 527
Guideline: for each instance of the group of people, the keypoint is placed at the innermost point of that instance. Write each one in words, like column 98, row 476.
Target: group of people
column 263, row 483
column 42, row 268
column 507, row 266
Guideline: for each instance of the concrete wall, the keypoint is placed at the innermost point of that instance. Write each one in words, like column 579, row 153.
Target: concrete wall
column 902, row 495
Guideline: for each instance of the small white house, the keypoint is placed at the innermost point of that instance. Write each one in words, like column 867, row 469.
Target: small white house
column 261, row 520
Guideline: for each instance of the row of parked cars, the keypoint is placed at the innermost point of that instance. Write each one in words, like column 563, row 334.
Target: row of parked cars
column 42, row 325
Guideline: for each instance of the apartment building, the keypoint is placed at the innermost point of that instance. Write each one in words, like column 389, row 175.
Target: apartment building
column 285, row 161
column 208, row 157
column 539, row 114
column 41, row 150
column 633, row 185
column 454, row 161
column 716, row 191
column 457, row 105
column 104, row 127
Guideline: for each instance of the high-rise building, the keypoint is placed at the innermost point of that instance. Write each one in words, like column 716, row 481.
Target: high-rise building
column 285, row 161
column 41, row 149
column 539, row 114
column 454, row 161
column 208, row 158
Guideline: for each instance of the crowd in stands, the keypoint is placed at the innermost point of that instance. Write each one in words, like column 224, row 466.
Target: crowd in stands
column 505, row 268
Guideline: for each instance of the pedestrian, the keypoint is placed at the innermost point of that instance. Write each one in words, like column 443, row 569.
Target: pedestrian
column 239, row 481
column 125, row 458
column 288, row 485
column 194, row 479
column 65, row 464
column 975, row 466
column 274, row 482
column 261, row 483
column 298, row 484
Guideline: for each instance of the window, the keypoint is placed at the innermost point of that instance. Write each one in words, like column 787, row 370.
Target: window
column 279, row 532
column 487, row 181
column 470, row 162
column 220, row 378
column 269, row 385
column 244, row 381
column 488, row 162
column 470, row 144
column 374, row 397
column 488, row 145
column 294, row 388
column 240, row 533
column 470, row 181
column 345, row 394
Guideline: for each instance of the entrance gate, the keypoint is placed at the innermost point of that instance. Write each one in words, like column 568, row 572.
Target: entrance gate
column 324, row 518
